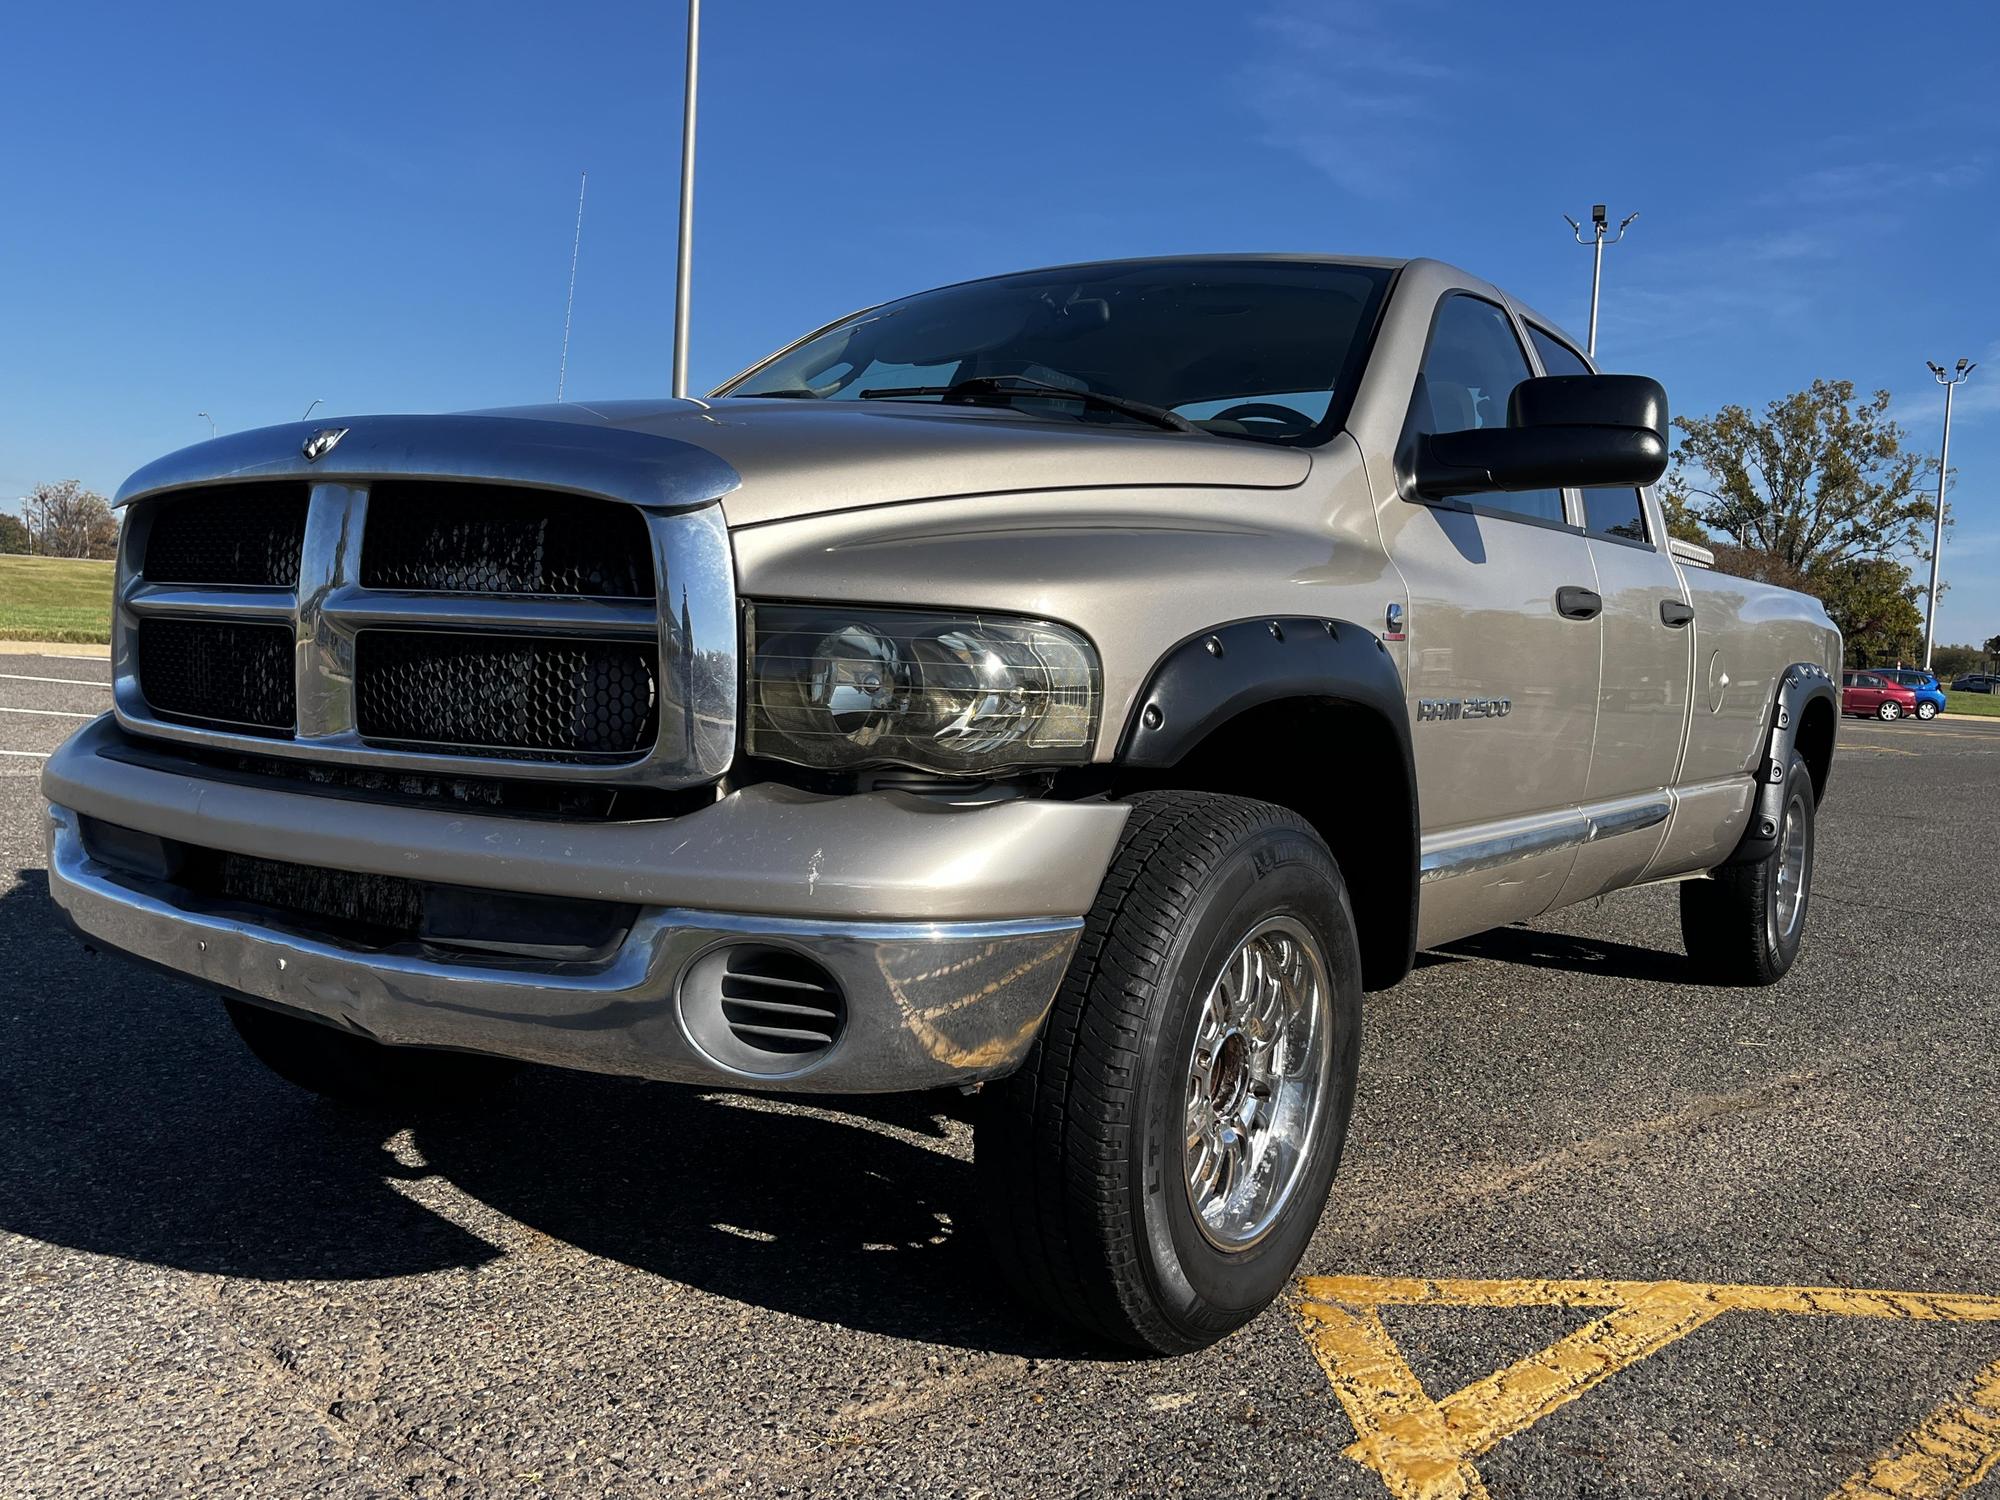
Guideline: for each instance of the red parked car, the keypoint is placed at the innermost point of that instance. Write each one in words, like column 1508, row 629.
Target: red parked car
column 1872, row 695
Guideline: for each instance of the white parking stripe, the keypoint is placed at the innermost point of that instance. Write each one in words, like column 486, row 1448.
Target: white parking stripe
column 29, row 754
column 71, row 681
column 47, row 713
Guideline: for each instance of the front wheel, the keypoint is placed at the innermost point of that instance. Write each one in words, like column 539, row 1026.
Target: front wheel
column 1744, row 924
column 1927, row 711
column 1156, row 1169
column 1888, row 713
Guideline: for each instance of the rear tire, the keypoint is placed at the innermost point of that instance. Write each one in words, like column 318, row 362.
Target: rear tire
column 1927, row 711
column 1136, row 1182
column 1745, row 923
column 350, row 1069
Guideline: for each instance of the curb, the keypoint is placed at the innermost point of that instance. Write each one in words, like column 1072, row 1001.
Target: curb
column 54, row 648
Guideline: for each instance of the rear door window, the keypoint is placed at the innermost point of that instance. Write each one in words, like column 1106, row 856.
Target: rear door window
column 1619, row 513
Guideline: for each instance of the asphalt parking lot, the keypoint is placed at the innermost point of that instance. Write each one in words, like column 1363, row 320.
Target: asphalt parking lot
column 1564, row 1255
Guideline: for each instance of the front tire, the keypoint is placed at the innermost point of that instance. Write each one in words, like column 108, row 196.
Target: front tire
column 1745, row 923
column 1889, row 713
column 350, row 1069
column 1155, row 1170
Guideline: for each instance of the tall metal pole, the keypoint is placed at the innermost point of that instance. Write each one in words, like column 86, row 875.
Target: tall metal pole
column 1950, row 383
column 1600, row 226
column 684, row 264
column 562, row 370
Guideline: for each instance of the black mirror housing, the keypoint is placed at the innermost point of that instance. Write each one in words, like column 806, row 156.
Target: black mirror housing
column 1576, row 431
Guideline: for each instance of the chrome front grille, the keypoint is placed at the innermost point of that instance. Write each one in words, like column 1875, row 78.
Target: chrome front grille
column 372, row 611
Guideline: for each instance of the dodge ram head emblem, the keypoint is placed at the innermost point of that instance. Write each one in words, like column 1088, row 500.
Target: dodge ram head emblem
column 321, row 443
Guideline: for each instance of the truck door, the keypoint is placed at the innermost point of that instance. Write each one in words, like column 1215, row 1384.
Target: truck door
column 1503, row 645
column 1642, row 695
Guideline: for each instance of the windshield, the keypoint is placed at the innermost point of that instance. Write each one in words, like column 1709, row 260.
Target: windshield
column 1257, row 349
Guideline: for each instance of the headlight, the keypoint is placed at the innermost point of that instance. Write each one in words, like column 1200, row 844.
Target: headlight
column 834, row 687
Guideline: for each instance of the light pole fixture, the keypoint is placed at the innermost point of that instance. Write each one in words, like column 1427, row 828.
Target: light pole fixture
column 1600, row 226
column 683, row 264
column 1950, row 381
column 208, row 419
column 316, row 401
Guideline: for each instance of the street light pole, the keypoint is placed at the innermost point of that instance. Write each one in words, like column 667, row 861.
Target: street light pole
column 684, row 265
column 208, row 419
column 1600, row 226
column 1950, row 382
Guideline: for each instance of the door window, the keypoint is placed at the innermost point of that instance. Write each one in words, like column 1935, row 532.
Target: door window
column 1557, row 357
column 1616, row 513
column 1619, row 514
column 1470, row 369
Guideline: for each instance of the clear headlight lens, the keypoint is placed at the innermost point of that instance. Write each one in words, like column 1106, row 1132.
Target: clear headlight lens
column 834, row 687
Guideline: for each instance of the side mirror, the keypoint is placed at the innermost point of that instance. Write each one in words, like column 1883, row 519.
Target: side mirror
column 1562, row 430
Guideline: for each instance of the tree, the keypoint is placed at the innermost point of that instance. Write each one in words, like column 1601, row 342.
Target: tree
column 1874, row 602
column 1992, row 647
column 71, row 521
column 13, row 534
column 1956, row 661
column 1821, row 479
column 1816, row 495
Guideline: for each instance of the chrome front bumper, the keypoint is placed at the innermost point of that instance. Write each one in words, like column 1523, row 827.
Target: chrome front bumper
column 928, row 1003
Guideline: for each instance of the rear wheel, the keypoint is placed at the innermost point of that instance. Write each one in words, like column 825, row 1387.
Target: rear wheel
column 1927, row 711
column 1154, row 1172
column 1745, row 923
column 1889, row 712
column 353, row 1070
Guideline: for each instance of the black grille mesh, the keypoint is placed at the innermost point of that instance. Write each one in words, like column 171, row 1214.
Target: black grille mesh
column 481, row 539
column 241, row 534
column 492, row 694
column 386, row 904
column 218, row 671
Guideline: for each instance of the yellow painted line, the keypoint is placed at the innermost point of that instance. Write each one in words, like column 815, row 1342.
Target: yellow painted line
column 1401, row 1433
column 1422, row 1448
column 1828, row 1301
column 1946, row 1454
column 1514, row 1399
column 1874, row 750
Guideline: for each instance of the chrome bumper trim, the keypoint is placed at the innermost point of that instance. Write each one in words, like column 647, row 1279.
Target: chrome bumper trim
column 929, row 1004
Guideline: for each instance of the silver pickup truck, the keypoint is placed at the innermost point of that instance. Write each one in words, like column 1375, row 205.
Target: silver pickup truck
column 1075, row 687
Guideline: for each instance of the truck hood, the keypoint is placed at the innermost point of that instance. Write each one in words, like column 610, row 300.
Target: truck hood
column 800, row 458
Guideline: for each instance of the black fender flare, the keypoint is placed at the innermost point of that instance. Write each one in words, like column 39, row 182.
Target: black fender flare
column 1212, row 677
column 1801, row 684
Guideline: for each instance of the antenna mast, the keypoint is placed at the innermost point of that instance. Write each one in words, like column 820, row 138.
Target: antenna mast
column 562, row 373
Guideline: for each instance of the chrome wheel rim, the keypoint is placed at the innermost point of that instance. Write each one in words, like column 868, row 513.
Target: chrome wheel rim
column 1926, row 710
column 1789, row 900
column 1890, row 711
column 1256, row 1082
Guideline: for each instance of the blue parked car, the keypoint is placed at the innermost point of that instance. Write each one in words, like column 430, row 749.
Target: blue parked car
column 1930, row 697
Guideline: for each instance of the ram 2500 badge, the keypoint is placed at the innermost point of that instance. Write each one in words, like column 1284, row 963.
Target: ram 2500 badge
column 1079, row 686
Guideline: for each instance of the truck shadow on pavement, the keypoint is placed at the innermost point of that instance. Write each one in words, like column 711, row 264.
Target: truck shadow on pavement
column 133, row 1123
column 1535, row 949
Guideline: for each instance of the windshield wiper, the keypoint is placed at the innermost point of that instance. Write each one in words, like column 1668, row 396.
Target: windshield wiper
column 1003, row 386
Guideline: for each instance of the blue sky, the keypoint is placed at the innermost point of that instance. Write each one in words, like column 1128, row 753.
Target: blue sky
column 240, row 208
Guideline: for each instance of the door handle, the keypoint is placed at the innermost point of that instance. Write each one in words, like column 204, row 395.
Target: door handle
column 1675, row 613
column 1574, row 603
